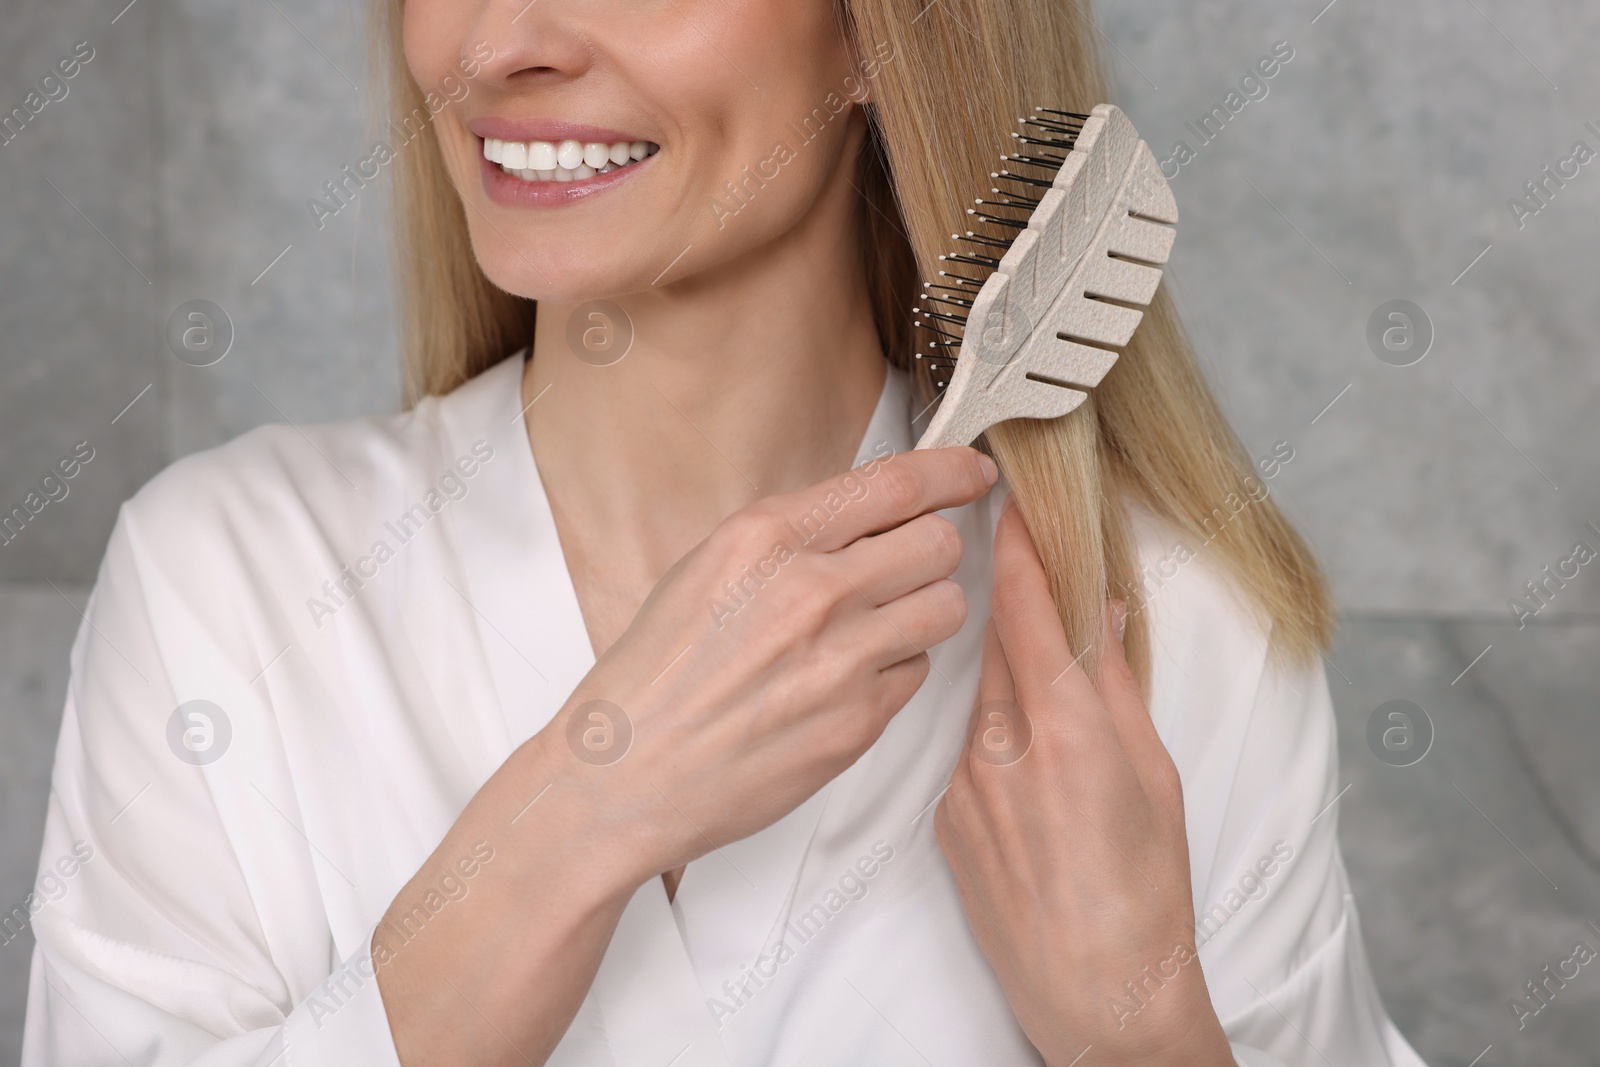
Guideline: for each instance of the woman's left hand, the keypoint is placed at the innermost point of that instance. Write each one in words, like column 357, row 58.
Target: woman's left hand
column 1064, row 826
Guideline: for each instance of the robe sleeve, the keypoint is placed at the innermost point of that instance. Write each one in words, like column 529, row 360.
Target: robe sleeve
column 177, row 916
column 1277, row 927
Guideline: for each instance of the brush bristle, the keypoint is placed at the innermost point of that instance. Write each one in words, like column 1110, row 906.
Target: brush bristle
column 1043, row 140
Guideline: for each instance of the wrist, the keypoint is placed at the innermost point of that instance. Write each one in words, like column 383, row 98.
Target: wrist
column 1165, row 1022
column 588, row 815
column 1183, row 1032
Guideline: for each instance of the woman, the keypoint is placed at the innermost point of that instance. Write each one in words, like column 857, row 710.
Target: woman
column 639, row 697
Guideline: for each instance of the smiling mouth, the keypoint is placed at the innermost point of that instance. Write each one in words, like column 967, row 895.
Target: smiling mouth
column 564, row 161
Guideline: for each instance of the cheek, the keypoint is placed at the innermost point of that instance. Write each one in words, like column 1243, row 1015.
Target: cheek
column 432, row 32
column 772, row 150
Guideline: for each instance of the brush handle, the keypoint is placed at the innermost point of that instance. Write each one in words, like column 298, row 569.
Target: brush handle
column 953, row 424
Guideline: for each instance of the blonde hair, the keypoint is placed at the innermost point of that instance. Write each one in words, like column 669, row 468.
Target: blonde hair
column 941, row 112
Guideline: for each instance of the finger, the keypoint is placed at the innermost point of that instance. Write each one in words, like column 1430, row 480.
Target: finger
column 882, row 494
column 900, row 682
column 889, row 565
column 996, row 682
column 1000, row 732
column 1044, row 666
column 894, row 687
column 908, row 626
column 1119, row 691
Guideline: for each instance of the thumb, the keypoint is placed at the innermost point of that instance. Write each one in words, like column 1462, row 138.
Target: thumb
column 1000, row 732
column 1119, row 689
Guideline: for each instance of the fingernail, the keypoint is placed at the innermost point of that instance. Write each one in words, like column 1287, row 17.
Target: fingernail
column 987, row 465
column 1119, row 617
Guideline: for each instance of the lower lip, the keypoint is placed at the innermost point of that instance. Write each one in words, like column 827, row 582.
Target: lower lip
column 507, row 190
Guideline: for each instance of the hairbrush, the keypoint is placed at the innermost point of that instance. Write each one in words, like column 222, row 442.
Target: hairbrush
column 1035, row 317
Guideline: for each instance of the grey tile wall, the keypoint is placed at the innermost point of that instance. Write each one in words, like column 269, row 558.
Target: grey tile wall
column 1475, row 867
column 269, row 106
column 80, row 256
column 1378, row 166
column 177, row 168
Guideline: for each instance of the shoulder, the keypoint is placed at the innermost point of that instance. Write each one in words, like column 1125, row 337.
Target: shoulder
column 269, row 495
column 243, row 532
column 1249, row 729
column 1206, row 632
column 271, row 470
column 280, row 475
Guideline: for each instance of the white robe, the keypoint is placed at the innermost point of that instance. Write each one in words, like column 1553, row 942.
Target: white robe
column 218, row 909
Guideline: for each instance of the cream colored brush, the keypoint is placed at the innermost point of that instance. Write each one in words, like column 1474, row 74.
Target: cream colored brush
column 1036, row 318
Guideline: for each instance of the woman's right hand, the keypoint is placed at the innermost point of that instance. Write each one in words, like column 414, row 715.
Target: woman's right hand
column 763, row 663
column 768, row 659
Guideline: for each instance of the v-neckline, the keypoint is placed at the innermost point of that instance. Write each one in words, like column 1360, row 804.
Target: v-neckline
column 534, row 639
column 886, row 393
column 522, row 504
column 514, row 569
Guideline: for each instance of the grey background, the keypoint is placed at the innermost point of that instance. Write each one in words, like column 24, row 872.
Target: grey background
column 1378, row 167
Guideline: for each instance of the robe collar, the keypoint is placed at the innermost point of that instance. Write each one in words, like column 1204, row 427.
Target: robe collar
column 648, row 990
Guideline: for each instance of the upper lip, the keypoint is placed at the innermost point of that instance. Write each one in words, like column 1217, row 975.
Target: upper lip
column 552, row 130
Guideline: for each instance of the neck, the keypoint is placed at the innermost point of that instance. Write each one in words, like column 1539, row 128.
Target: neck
column 753, row 377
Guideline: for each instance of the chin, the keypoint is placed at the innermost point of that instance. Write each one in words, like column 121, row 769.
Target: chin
column 555, row 275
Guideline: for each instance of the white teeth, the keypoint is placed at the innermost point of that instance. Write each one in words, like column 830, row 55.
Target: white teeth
column 545, row 155
column 569, row 154
column 565, row 161
column 542, row 155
